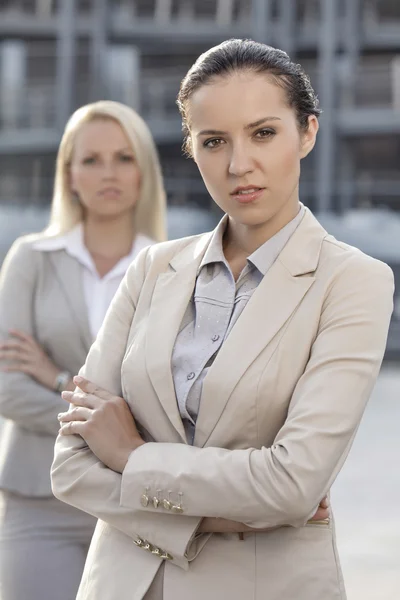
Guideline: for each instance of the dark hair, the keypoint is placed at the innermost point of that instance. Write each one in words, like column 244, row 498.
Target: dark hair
column 246, row 55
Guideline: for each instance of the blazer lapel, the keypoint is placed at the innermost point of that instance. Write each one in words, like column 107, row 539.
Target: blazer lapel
column 269, row 308
column 171, row 296
column 68, row 273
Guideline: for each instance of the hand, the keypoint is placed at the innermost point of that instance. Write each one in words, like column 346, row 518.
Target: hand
column 25, row 355
column 323, row 511
column 213, row 525
column 104, row 421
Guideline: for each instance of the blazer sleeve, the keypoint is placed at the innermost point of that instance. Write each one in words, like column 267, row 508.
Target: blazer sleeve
column 79, row 478
column 283, row 484
column 22, row 399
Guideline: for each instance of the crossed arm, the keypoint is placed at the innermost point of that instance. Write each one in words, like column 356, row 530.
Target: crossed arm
column 106, row 424
column 280, row 485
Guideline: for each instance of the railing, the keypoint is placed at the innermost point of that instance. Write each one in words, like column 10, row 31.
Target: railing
column 33, row 105
column 222, row 13
column 41, row 8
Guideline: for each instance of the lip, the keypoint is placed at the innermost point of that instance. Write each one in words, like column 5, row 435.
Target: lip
column 110, row 191
column 247, row 198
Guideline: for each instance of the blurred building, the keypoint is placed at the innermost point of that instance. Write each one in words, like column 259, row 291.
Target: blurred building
column 58, row 54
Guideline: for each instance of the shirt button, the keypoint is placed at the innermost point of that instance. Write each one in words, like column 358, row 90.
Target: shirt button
column 190, row 376
column 215, row 337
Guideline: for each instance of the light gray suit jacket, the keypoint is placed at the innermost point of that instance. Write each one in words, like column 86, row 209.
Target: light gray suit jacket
column 40, row 294
column 279, row 410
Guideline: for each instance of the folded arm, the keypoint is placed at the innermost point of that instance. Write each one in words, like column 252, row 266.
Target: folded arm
column 284, row 483
column 78, row 476
column 22, row 399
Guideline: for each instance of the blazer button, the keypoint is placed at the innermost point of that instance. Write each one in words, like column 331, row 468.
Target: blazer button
column 147, row 547
column 167, row 556
column 139, row 542
column 144, row 498
column 215, row 337
column 191, row 376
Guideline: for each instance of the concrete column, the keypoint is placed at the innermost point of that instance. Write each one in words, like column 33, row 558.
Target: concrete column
column 347, row 177
column 13, row 92
column 261, row 20
column 163, row 11
column 123, row 74
column 224, row 16
column 325, row 150
column 352, row 25
column 66, row 61
column 287, row 26
column 98, row 50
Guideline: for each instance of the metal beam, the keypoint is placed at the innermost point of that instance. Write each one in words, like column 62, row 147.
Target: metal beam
column 325, row 159
column 368, row 121
column 66, row 61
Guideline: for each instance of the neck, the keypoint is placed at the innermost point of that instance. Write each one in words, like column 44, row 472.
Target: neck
column 109, row 238
column 245, row 239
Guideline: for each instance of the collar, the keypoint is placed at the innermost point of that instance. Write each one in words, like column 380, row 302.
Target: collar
column 300, row 256
column 73, row 243
column 262, row 258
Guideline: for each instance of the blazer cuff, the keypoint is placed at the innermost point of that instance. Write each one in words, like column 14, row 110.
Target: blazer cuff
column 167, row 534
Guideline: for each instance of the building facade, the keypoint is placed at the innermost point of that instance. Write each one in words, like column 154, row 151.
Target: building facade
column 56, row 55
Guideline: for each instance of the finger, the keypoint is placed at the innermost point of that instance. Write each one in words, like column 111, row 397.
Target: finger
column 12, row 345
column 79, row 413
column 21, row 356
column 321, row 514
column 73, row 428
column 19, row 368
column 91, row 388
column 81, row 399
column 324, row 502
column 23, row 336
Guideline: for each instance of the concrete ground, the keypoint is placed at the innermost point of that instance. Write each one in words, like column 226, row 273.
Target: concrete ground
column 365, row 498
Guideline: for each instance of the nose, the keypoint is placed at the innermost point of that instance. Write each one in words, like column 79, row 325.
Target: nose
column 109, row 170
column 241, row 161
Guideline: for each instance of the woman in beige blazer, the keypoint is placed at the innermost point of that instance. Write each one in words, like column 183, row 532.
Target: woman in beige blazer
column 223, row 393
column 55, row 288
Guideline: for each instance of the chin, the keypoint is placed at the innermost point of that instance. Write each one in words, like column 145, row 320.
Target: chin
column 252, row 216
column 111, row 211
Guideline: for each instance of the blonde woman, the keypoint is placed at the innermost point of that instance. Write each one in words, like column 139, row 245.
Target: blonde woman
column 55, row 288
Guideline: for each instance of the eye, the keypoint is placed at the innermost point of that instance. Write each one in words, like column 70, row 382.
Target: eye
column 265, row 133
column 90, row 160
column 213, row 143
column 126, row 158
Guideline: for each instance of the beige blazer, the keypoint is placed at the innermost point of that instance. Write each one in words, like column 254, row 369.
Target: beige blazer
column 41, row 294
column 279, row 410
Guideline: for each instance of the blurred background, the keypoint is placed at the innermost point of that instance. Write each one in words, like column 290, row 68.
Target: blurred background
column 56, row 55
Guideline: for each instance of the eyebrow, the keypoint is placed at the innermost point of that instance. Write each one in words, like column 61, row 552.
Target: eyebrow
column 247, row 127
column 95, row 152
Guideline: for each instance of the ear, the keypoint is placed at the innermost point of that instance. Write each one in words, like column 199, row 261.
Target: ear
column 308, row 137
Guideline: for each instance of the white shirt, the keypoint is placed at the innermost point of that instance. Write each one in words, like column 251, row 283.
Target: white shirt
column 98, row 291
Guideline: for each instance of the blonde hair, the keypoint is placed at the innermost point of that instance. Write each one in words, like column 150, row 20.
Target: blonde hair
column 150, row 209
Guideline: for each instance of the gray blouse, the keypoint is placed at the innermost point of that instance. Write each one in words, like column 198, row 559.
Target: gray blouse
column 217, row 303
